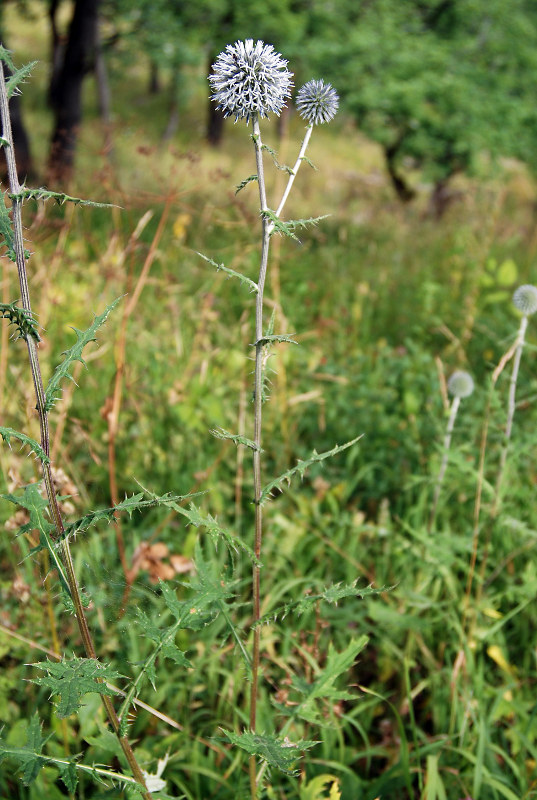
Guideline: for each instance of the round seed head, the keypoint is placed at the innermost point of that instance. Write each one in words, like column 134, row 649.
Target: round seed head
column 460, row 384
column 249, row 79
column 317, row 102
column 525, row 299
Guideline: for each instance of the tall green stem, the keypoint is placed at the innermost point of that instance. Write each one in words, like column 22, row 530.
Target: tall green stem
column 511, row 405
column 43, row 423
column 258, row 412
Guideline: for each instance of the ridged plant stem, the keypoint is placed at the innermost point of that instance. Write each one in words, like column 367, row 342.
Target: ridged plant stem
column 258, row 412
column 447, row 443
column 16, row 212
column 510, row 411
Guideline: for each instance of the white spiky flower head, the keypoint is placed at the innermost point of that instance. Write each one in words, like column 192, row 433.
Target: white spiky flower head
column 249, row 79
column 525, row 299
column 317, row 102
column 460, row 384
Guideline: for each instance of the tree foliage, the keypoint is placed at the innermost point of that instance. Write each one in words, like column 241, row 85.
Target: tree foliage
column 434, row 82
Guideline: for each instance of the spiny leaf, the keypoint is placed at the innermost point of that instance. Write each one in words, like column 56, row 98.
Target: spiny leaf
column 35, row 504
column 24, row 321
column 231, row 272
column 245, row 182
column 18, row 76
column 29, row 757
column 277, row 164
column 211, row 525
column 276, row 337
column 5, row 56
column 130, row 504
column 288, row 228
column 323, row 687
column 59, row 197
column 72, row 679
column 309, row 162
column 302, row 466
column 69, row 776
column 74, row 353
column 209, row 593
column 236, row 438
column 276, row 751
column 3, row 142
column 8, row 433
column 215, row 530
column 331, row 594
column 6, row 230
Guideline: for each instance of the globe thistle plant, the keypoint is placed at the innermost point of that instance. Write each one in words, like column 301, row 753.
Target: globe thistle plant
column 317, row 102
column 525, row 301
column 460, row 384
column 250, row 79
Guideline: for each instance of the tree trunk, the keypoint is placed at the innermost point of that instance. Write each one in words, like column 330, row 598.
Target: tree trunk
column 403, row 190
column 78, row 59
column 215, row 118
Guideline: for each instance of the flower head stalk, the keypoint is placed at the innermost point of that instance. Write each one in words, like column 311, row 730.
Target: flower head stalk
column 525, row 301
column 460, row 384
column 250, row 80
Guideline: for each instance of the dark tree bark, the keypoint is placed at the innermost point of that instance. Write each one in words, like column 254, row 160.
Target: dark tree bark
column 215, row 125
column 215, row 118
column 78, row 60
column 20, row 139
column 403, row 190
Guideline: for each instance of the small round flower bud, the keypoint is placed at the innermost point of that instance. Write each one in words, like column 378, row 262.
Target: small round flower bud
column 250, row 79
column 317, row 102
column 460, row 384
column 525, row 299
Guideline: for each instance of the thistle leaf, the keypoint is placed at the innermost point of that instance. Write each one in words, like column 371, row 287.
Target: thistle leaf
column 209, row 593
column 301, row 468
column 36, row 505
column 74, row 353
column 29, row 757
column 17, row 77
column 273, row 338
column 277, row 752
column 331, row 594
column 130, row 504
column 216, row 531
column 253, row 287
column 6, row 230
column 236, row 438
column 288, row 228
column 74, row 678
column 59, row 197
column 323, row 688
column 8, row 433
column 245, row 182
column 22, row 319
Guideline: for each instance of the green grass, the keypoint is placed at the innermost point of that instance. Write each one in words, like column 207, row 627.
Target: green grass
column 380, row 298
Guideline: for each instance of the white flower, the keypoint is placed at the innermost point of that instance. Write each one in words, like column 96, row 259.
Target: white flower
column 460, row 384
column 525, row 299
column 317, row 102
column 154, row 782
column 250, row 79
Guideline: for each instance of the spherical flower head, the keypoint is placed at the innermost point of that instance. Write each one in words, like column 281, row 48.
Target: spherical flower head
column 249, row 79
column 317, row 102
column 525, row 299
column 460, row 384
